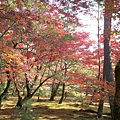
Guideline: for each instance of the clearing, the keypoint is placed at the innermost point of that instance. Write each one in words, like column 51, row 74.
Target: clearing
column 49, row 110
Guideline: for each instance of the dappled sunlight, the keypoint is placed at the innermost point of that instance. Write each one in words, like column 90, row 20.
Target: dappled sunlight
column 57, row 59
column 47, row 110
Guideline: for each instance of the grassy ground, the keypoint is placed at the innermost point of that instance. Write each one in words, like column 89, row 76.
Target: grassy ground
column 47, row 110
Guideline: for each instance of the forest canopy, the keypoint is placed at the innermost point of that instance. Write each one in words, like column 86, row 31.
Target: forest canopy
column 46, row 42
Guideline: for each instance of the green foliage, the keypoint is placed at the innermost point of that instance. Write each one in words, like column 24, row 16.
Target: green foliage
column 2, row 85
column 43, row 91
column 99, row 1
column 69, row 37
column 81, row 69
column 26, row 113
column 9, row 43
column 3, row 63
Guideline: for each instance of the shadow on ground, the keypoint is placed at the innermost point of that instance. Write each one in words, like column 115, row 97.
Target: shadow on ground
column 66, row 114
column 45, row 112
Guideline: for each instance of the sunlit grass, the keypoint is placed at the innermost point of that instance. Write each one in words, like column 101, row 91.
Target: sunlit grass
column 47, row 110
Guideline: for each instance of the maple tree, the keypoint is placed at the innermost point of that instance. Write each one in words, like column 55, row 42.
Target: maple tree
column 38, row 42
column 114, row 6
column 32, row 45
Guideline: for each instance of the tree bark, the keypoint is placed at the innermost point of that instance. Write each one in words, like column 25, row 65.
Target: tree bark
column 63, row 92
column 5, row 91
column 29, row 95
column 100, row 108
column 109, row 4
column 21, row 101
column 55, row 87
column 117, row 93
column 6, row 88
column 101, row 102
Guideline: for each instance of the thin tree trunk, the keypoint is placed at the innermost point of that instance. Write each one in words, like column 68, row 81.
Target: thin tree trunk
column 52, row 92
column 101, row 102
column 63, row 92
column 30, row 95
column 117, row 93
column 100, row 108
column 99, row 64
column 38, row 95
column 55, row 87
column 7, row 87
column 19, row 102
column 5, row 91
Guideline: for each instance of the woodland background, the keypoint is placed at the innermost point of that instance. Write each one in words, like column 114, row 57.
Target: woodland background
column 46, row 51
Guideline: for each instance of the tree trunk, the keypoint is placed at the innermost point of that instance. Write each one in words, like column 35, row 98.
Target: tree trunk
column 117, row 93
column 7, row 87
column 21, row 101
column 29, row 92
column 107, row 61
column 55, row 87
column 63, row 92
column 101, row 103
column 100, row 108
column 5, row 91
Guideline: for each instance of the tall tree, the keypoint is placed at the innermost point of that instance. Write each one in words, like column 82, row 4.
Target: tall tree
column 109, row 5
column 117, row 93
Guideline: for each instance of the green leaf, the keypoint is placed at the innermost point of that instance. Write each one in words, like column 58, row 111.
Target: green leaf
column 69, row 37
column 8, row 43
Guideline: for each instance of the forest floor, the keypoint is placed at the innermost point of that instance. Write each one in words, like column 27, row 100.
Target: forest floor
column 47, row 110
